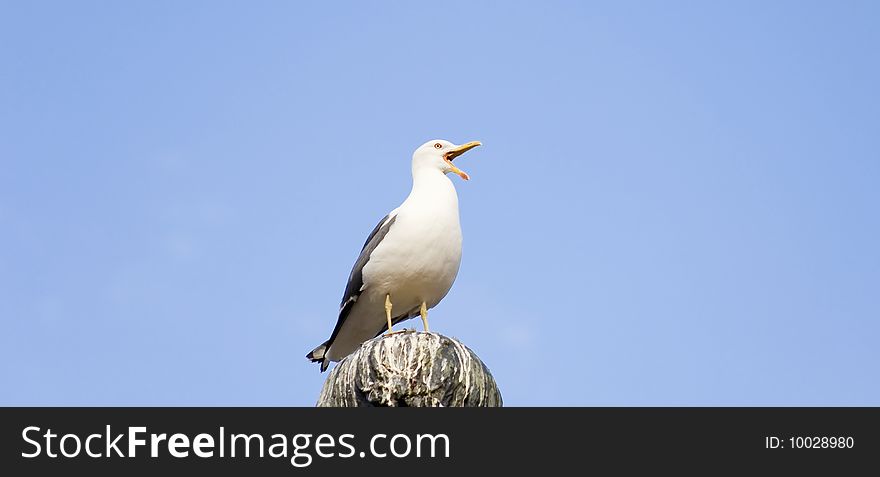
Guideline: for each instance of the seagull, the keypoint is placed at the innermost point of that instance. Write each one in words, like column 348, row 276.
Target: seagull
column 409, row 261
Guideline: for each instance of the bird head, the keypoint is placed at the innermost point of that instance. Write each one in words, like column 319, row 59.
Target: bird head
column 439, row 154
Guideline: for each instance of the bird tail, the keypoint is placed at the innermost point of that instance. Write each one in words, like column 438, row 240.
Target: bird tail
column 317, row 355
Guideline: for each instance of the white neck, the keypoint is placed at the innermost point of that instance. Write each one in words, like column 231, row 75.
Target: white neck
column 431, row 186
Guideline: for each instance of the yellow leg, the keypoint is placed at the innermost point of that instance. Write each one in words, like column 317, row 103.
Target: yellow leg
column 424, row 312
column 388, row 312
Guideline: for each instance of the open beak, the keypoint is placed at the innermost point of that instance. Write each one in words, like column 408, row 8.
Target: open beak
column 449, row 156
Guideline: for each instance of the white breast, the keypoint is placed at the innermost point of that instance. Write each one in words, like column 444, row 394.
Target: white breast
column 419, row 258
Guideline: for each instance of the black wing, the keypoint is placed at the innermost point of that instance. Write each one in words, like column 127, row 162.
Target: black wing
column 356, row 278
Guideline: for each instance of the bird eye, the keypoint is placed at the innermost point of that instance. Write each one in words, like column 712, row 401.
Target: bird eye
column 438, row 145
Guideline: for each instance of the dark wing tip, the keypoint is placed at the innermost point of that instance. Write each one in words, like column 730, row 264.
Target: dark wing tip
column 318, row 355
column 325, row 363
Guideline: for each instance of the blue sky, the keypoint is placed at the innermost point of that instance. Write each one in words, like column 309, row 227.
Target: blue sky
column 676, row 202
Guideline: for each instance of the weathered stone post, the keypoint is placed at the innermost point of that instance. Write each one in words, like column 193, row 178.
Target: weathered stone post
column 412, row 369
